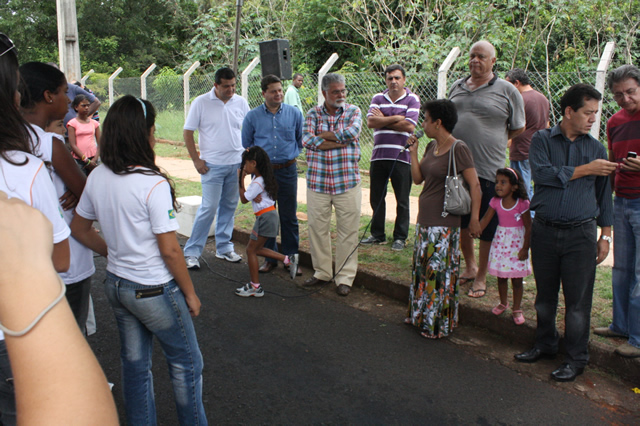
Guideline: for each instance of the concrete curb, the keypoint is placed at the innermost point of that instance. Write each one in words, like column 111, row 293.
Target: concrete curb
column 601, row 355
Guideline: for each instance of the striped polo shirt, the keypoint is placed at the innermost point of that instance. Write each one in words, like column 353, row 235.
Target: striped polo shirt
column 387, row 143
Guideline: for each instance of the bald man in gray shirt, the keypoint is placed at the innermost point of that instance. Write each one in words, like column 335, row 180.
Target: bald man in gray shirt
column 490, row 112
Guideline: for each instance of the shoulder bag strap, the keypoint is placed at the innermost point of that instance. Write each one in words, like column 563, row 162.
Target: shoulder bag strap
column 452, row 158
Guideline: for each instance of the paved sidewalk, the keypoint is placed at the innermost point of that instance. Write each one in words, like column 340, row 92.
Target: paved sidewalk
column 470, row 312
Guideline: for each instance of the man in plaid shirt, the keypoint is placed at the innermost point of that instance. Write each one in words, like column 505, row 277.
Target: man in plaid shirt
column 331, row 139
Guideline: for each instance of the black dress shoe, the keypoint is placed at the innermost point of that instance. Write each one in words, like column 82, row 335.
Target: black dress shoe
column 267, row 267
column 343, row 290
column 313, row 281
column 533, row 355
column 566, row 373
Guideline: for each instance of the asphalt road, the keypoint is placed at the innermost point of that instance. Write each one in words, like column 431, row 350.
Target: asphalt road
column 318, row 360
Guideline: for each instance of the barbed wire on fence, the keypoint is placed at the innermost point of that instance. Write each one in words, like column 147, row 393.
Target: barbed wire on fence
column 166, row 94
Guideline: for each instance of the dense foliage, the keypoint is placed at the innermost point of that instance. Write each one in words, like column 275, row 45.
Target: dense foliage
column 563, row 35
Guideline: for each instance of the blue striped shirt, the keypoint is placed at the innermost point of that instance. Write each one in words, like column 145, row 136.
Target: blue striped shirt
column 553, row 159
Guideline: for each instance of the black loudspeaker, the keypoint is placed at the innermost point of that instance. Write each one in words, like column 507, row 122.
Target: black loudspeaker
column 275, row 57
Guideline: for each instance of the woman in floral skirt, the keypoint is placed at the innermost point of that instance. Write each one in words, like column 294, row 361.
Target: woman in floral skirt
column 433, row 293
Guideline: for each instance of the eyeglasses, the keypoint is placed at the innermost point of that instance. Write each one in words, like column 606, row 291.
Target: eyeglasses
column 7, row 43
column 344, row 92
column 620, row 95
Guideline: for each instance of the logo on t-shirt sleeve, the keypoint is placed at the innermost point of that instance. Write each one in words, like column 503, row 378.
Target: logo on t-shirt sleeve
column 172, row 214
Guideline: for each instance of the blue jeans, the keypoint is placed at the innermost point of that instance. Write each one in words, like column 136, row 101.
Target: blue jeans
column 7, row 395
column 219, row 197
column 524, row 169
column 165, row 316
column 78, row 297
column 566, row 256
column 287, row 203
column 626, row 269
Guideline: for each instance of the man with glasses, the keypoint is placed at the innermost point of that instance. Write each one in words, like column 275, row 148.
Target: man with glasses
column 333, row 180
column 394, row 115
column 623, row 133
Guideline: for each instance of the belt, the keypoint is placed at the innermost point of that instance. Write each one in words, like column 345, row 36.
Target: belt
column 283, row 165
column 563, row 225
column 266, row 209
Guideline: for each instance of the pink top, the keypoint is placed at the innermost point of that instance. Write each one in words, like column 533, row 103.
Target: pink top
column 509, row 218
column 85, row 137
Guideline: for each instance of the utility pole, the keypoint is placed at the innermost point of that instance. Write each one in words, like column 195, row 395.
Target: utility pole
column 69, row 51
column 235, row 46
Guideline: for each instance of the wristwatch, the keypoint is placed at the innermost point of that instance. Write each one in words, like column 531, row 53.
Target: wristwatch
column 606, row 238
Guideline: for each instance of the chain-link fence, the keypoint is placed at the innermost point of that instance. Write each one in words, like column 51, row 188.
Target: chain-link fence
column 167, row 95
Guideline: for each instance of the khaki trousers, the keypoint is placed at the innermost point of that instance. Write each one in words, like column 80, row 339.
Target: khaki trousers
column 347, row 207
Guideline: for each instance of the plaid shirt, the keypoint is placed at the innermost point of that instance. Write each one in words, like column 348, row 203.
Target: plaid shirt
column 333, row 171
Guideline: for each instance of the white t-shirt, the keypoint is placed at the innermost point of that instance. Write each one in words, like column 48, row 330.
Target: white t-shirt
column 255, row 188
column 131, row 208
column 81, row 265
column 219, row 127
column 31, row 183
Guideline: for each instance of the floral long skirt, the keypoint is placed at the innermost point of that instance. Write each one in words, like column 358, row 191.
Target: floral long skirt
column 433, row 294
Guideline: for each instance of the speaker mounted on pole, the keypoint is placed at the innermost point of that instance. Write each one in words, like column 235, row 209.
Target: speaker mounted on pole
column 275, row 58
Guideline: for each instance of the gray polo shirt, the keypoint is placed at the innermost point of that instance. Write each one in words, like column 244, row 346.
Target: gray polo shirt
column 485, row 117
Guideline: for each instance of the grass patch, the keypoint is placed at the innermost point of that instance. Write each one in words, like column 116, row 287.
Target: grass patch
column 171, row 151
column 169, row 125
column 185, row 187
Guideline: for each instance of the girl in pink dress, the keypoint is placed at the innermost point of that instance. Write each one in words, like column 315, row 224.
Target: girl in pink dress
column 509, row 254
column 84, row 135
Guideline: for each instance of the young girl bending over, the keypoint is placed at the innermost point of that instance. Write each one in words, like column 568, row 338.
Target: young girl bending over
column 261, row 192
column 508, row 257
column 84, row 135
column 147, row 282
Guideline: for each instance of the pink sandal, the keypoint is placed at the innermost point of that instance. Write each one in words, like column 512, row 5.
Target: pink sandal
column 518, row 317
column 498, row 310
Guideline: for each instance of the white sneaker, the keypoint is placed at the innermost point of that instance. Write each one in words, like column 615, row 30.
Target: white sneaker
column 249, row 290
column 293, row 265
column 230, row 256
column 192, row 262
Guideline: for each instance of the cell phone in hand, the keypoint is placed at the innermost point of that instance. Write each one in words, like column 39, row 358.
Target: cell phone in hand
column 631, row 154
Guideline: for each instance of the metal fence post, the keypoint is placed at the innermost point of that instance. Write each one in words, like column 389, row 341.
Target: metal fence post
column 111, row 78
column 245, row 77
column 444, row 70
column 143, row 81
column 601, row 74
column 325, row 68
column 187, row 76
column 86, row 76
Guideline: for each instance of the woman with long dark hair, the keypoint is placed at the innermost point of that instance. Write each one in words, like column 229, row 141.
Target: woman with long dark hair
column 41, row 84
column 147, row 282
